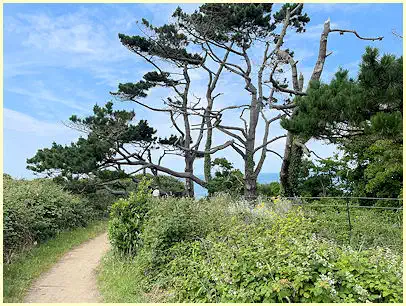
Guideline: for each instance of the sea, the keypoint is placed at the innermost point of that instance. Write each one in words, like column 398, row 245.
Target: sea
column 263, row 178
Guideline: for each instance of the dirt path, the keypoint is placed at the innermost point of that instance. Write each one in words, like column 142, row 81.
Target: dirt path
column 73, row 278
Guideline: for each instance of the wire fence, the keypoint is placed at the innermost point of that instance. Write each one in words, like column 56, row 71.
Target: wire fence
column 301, row 201
column 307, row 202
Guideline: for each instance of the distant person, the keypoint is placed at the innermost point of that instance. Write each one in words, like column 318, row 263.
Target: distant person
column 155, row 193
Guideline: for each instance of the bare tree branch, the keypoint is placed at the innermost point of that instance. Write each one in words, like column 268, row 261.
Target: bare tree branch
column 397, row 34
column 318, row 67
column 238, row 150
column 284, row 106
column 274, row 152
column 269, row 141
column 175, row 125
column 287, row 90
column 356, row 34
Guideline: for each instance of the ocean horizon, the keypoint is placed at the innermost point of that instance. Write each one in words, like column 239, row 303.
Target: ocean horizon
column 263, row 178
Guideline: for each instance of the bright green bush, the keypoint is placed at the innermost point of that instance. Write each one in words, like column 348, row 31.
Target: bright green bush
column 281, row 262
column 222, row 250
column 37, row 210
column 370, row 228
column 164, row 183
column 127, row 218
column 175, row 220
column 272, row 189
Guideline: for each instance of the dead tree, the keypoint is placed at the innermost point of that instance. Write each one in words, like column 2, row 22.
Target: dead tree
column 235, row 29
column 165, row 45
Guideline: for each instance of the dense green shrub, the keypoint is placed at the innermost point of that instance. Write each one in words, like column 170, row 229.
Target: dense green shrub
column 272, row 189
column 99, row 199
column 127, row 218
column 281, row 262
column 100, row 202
column 168, row 222
column 164, row 183
column 369, row 227
column 222, row 250
column 37, row 210
column 174, row 220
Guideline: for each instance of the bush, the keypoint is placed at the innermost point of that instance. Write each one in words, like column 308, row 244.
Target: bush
column 100, row 202
column 370, row 228
column 221, row 250
column 168, row 222
column 174, row 220
column 272, row 189
column 100, row 199
column 165, row 183
column 37, row 210
column 153, row 226
column 277, row 260
column 127, row 218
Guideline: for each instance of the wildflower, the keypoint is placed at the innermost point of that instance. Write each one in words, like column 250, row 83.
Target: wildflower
column 361, row 291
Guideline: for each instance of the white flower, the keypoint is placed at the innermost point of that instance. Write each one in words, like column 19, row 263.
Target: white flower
column 361, row 291
column 328, row 278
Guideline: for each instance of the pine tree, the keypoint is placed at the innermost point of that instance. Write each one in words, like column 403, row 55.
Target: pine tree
column 364, row 117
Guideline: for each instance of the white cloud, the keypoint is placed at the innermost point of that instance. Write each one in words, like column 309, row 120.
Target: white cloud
column 71, row 33
column 39, row 93
column 24, row 135
column 338, row 7
column 74, row 40
column 19, row 122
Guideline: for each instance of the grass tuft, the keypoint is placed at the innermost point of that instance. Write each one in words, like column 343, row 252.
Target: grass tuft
column 116, row 280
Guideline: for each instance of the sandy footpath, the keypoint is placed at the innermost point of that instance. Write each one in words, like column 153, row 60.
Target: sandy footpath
column 73, row 278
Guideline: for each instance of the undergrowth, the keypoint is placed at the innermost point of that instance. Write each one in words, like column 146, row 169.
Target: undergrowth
column 223, row 250
column 37, row 210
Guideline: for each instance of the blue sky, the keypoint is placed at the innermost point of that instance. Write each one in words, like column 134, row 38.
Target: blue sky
column 61, row 59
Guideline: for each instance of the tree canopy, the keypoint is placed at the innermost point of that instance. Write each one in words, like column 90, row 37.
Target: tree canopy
column 364, row 118
column 108, row 132
column 369, row 105
column 361, row 115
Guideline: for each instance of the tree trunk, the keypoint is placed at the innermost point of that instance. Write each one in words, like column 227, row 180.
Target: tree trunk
column 291, row 164
column 284, row 174
column 189, row 185
column 250, row 190
column 293, row 153
column 250, row 180
column 189, row 158
column 207, row 157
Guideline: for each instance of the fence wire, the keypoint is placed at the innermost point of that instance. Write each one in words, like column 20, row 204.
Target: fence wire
column 347, row 200
column 303, row 201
